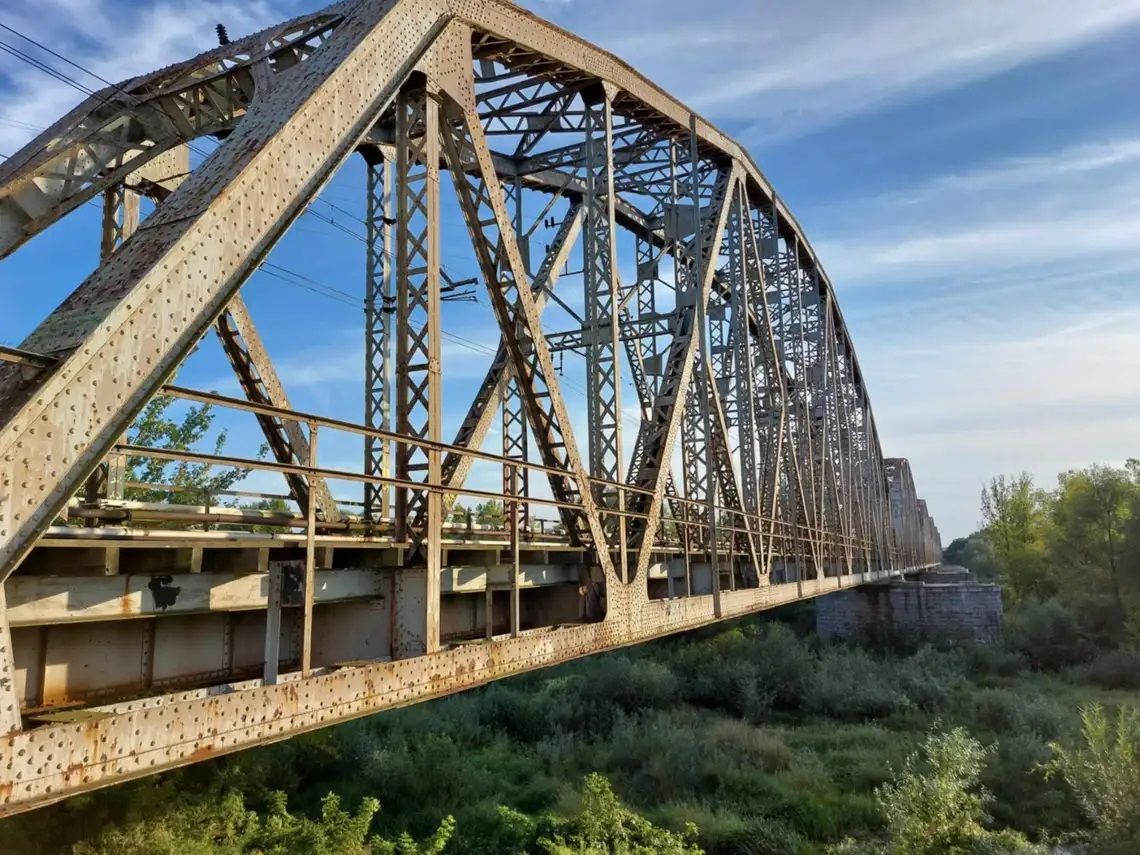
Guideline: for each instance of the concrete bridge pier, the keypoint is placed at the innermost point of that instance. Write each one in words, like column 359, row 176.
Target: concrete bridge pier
column 944, row 606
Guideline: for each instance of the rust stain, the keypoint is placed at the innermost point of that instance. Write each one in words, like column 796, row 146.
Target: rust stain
column 203, row 753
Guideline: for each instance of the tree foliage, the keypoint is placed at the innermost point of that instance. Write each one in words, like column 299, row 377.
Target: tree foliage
column 228, row 827
column 1078, row 543
column 490, row 513
column 1012, row 512
column 935, row 805
column 603, row 825
column 1104, row 775
column 156, row 427
column 1092, row 515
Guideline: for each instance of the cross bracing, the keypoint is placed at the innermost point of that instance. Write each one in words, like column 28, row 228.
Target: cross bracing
column 724, row 458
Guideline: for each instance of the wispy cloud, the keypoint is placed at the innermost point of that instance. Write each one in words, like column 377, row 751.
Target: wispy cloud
column 994, row 310
column 1079, row 205
column 1057, row 388
column 788, row 68
column 113, row 39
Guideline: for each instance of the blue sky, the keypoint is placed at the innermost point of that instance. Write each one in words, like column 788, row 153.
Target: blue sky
column 969, row 172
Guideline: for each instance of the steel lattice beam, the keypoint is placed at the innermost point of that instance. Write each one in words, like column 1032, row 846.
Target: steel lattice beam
column 730, row 331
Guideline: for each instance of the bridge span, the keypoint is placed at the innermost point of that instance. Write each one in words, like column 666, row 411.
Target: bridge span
column 725, row 460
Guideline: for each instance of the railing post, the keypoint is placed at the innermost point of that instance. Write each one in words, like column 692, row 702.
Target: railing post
column 310, row 559
column 514, row 554
column 273, row 623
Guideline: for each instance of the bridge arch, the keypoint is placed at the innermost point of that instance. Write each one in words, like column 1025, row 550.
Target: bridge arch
column 751, row 473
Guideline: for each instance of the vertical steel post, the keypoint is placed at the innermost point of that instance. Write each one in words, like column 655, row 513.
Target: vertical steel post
column 704, row 376
column 418, row 509
column 515, row 444
column 515, row 580
column 600, row 281
column 275, row 582
column 377, row 332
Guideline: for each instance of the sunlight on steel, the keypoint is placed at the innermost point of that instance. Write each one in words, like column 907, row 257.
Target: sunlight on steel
column 151, row 625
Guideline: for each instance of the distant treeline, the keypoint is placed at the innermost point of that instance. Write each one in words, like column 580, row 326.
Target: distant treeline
column 1067, row 556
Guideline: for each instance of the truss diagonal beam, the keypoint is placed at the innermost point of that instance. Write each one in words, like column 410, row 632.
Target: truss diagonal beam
column 482, row 202
column 246, row 353
column 662, row 427
column 127, row 128
column 181, row 269
column 481, row 413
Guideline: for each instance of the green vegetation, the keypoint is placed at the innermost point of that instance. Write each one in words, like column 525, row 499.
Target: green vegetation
column 192, row 482
column 765, row 741
column 937, row 804
column 1072, row 554
column 1104, row 774
column 740, row 739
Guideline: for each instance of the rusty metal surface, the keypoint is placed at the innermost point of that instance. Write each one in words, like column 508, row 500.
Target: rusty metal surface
column 54, row 761
column 143, row 636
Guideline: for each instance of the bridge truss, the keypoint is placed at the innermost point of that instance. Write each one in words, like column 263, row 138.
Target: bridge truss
column 728, row 462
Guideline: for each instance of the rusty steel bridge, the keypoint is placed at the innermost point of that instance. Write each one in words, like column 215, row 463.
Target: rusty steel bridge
column 729, row 460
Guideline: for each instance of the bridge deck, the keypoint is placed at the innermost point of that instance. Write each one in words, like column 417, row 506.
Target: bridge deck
column 216, row 699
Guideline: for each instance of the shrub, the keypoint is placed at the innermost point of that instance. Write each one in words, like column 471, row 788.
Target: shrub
column 750, row 746
column 1104, row 774
column 730, row 684
column 1007, row 711
column 604, row 825
column 1116, row 669
column 995, row 661
column 1023, row 798
column 1047, row 633
column 628, row 684
column 783, row 665
column 849, row 684
column 935, row 805
column 929, row 678
column 772, row 837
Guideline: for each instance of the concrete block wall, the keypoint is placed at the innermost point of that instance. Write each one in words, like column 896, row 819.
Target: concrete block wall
column 913, row 612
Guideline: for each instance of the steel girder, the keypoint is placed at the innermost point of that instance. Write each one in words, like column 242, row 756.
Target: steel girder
column 603, row 372
column 730, row 332
column 646, row 166
column 418, row 405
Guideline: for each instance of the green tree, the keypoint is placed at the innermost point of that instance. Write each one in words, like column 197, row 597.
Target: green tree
column 156, row 428
column 1104, row 774
column 489, row 512
column 935, row 805
column 605, row 826
column 458, row 514
column 1012, row 513
column 1092, row 513
column 975, row 552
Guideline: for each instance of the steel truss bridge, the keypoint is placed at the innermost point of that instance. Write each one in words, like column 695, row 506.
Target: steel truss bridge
column 730, row 461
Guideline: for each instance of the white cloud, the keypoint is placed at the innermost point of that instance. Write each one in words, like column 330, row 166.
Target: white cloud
column 114, row 40
column 995, row 314
column 1076, row 206
column 791, row 67
column 1060, row 390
